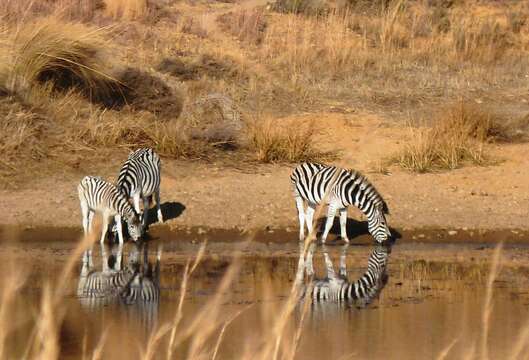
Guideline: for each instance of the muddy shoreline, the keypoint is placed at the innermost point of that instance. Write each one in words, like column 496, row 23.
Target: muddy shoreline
column 269, row 235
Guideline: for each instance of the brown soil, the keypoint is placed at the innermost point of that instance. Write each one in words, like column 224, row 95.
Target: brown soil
column 227, row 194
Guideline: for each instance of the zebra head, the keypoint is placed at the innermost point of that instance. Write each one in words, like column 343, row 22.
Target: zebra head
column 378, row 226
column 134, row 226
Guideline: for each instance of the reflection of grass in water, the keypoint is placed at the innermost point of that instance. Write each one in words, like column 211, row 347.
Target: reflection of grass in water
column 202, row 336
column 436, row 270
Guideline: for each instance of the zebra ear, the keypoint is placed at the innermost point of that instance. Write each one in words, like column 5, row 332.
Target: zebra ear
column 385, row 208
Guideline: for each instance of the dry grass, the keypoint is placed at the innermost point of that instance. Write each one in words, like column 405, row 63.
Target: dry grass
column 271, row 141
column 383, row 56
column 457, row 137
column 126, row 9
column 64, row 55
column 246, row 25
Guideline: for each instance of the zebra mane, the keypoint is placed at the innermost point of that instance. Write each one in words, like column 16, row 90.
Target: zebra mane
column 383, row 205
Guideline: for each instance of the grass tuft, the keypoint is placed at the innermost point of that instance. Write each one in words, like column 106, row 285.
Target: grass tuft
column 64, row 54
column 273, row 142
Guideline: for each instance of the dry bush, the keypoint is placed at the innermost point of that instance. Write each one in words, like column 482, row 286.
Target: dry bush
column 456, row 138
column 126, row 9
column 311, row 7
column 246, row 25
column 21, row 134
column 65, row 55
column 143, row 91
column 197, row 66
column 22, row 11
column 214, row 119
column 273, row 142
column 304, row 47
column 111, row 129
column 483, row 41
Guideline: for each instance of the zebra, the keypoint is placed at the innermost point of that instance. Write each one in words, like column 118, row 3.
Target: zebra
column 103, row 287
column 313, row 183
column 145, row 286
column 135, row 284
column 337, row 288
column 139, row 177
column 97, row 195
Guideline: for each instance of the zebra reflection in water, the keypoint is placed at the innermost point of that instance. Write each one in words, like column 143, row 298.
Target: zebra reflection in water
column 336, row 287
column 135, row 285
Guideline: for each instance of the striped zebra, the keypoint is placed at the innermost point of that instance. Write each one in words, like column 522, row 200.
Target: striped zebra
column 139, row 178
column 145, row 286
column 97, row 288
column 337, row 288
column 97, row 195
column 135, row 283
column 339, row 188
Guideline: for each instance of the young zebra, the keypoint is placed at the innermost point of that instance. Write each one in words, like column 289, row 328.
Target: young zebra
column 139, row 177
column 337, row 288
column 97, row 195
column 134, row 283
column 313, row 182
column 96, row 288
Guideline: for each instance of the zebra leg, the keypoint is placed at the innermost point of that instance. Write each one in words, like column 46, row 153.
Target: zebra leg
column 158, row 205
column 85, row 213
column 308, row 262
column 309, row 216
column 88, row 216
column 343, row 224
column 119, row 257
column 343, row 259
column 330, row 219
column 104, row 258
column 104, row 229
column 119, row 228
column 301, row 216
column 328, row 264
column 146, row 206
column 136, row 201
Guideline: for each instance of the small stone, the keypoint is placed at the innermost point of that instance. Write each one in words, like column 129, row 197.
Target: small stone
column 452, row 232
column 201, row 231
column 421, row 236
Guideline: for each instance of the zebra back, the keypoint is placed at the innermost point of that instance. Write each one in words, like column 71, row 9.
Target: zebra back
column 140, row 172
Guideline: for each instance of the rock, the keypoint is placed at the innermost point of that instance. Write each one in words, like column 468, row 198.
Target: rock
column 452, row 232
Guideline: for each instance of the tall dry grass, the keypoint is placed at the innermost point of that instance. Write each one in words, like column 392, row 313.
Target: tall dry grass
column 126, row 9
column 270, row 141
column 458, row 136
column 63, row 55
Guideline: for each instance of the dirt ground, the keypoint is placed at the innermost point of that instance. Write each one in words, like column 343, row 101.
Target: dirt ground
column 227, row 194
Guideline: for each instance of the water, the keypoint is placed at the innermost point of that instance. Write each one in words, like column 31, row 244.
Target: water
column 434, row 296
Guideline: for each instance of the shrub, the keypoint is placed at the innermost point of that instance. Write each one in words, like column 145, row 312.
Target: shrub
column 271, row 142
column 65, row 55
column 246, row 25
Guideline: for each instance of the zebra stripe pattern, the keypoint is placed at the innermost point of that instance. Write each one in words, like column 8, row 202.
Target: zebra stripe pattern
column 139, row 178
column 97, row 195
column 135, row 284
column 145, row 286
column 337, row 288
column 339, row 188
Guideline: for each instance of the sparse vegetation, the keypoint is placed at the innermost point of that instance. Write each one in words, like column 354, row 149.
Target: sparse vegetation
column 273, row 142
column 146, row 70
column 459, row 135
